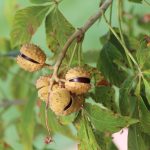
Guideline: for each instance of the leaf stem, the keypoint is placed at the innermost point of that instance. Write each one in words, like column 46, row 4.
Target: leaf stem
column 74, row 50
column 120, row 29
column 78, row 33
column 123, row 45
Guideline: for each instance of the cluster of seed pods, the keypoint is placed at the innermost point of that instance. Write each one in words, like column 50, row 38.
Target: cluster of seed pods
column 63, row 100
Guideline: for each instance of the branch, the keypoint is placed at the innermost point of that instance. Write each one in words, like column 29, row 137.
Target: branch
column 78, row 33
column 7, row 103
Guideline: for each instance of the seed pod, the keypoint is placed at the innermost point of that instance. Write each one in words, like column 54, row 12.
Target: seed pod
column 77, row 102
column 42, row 84
column 62, row 103
column 77, row 81
column 31, row 58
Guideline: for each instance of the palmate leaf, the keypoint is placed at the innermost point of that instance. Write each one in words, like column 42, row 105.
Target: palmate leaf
column 86, row 135
column 58, row 29
column 26, row 22
column 105, row 120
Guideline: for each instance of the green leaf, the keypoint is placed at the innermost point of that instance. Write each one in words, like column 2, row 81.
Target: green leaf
column 136, row 1
column 106, row 65
column 86, row 135
column 106, row 96
column 27, row 125
column 144, row 116
column 147, row 89
column 105, row 140
column 143, row 56
column 26, row 22
column 137, row 140
column 40, row 1
column 65, row 120
column 24, row 87
column 105, row 120
column 58, row 29
column 4, row 45
column 125, row 97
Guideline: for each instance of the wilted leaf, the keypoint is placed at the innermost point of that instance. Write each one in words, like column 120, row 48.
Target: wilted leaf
column 58, row 29
column 26, row 22
column 105, row 120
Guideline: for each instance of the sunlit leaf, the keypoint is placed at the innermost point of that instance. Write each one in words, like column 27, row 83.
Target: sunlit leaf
column 58, row 29
column 26, row 22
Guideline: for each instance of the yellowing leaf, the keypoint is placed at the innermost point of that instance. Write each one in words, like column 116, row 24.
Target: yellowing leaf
column 26, row 22
column 58, row 29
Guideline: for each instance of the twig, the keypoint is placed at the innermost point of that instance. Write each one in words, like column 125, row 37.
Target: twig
column 7, row 103
column 77, row 33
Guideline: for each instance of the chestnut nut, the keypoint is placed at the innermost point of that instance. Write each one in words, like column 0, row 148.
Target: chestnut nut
column 31, row 58
column 77, row 80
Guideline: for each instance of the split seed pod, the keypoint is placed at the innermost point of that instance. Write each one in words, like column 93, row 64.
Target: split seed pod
column 62, row 103
column 77, row 80
column 31, row 58
column 42, row 84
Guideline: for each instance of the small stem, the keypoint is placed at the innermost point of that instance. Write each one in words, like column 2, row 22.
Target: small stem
column 110, row 15
column 79, row 54
column 120, row 29
column 74, row 50
column 77, row 33
column 48, row 66
column 123, row 45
